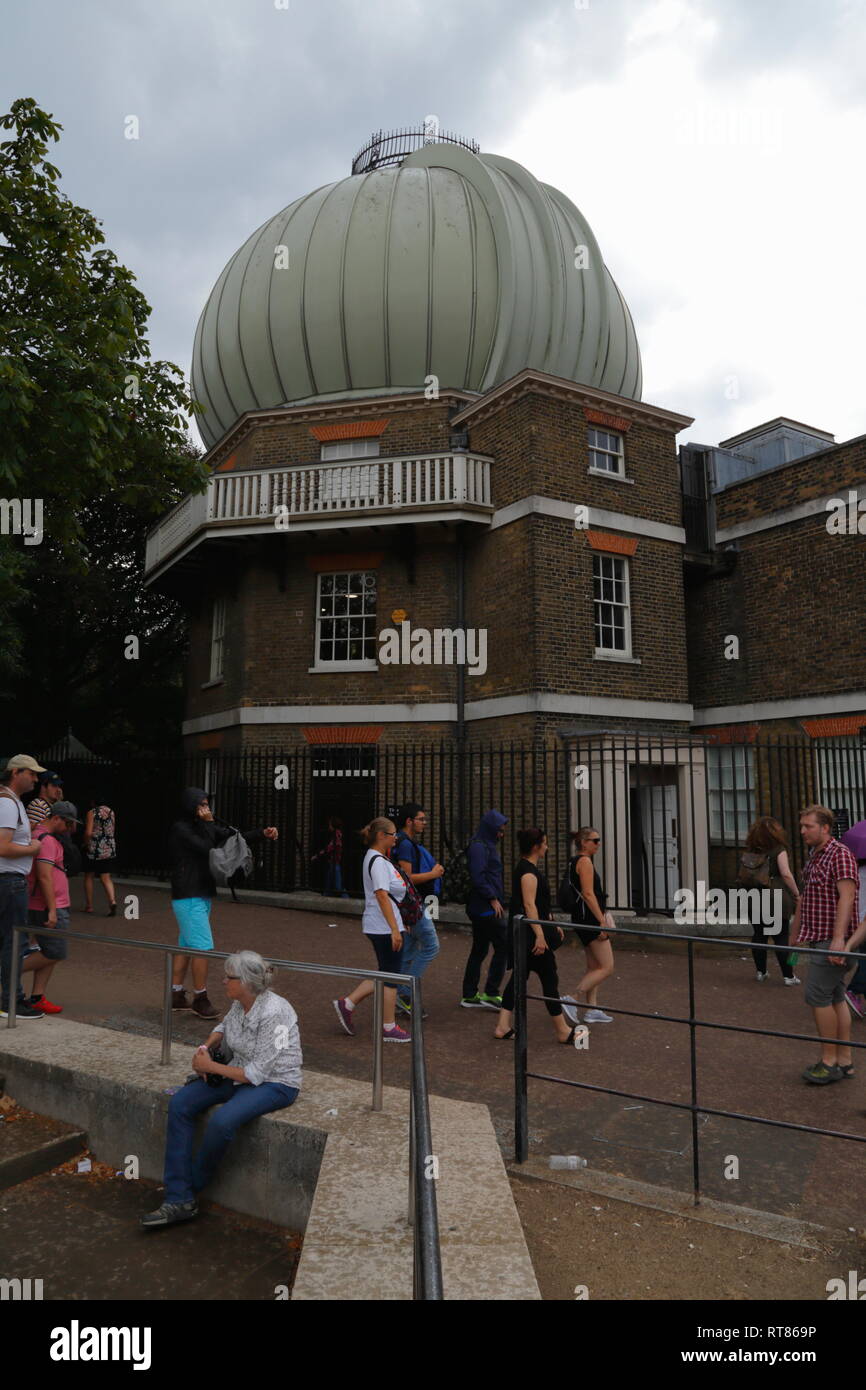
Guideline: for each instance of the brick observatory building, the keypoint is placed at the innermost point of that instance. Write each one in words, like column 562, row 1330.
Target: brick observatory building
column 439, row 511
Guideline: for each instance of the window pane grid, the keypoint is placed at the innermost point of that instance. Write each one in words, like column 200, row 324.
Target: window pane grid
column 346, row 622
column 611, row 605
column 606, row 451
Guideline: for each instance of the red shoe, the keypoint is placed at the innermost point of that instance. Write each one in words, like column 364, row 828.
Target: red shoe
column 44, row 1005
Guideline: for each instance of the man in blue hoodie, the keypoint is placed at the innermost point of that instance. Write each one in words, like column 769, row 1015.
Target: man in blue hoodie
column 486, row 913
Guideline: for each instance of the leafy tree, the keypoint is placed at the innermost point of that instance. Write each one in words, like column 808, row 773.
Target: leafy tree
column 94, row 428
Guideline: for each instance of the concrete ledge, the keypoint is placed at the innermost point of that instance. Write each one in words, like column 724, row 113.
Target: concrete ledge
column 327, row 1166
column 769, row 1225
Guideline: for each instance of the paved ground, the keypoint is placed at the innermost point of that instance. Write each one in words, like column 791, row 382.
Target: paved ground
column 615, row 1250
column 817, row 1179
column 79, row 1234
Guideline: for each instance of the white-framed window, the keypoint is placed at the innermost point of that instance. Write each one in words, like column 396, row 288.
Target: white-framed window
column 731, row 792
column 346, row 619
column 217, row 639
column 606, row 451
column 350, row 449
column 842, row 774
column 611, row 604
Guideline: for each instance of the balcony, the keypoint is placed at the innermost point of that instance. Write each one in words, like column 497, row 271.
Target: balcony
column 371, row 492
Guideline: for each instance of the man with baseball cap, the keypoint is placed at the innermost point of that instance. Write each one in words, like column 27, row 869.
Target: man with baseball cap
column 51, row 790
column 49, row 903
column 17, row 849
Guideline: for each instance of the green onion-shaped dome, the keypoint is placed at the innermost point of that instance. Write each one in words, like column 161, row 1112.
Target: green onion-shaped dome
column 450, row 264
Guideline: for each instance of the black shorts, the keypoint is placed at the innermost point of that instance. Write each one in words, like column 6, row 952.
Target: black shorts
column 386, row 957
column 588, row 934
column 99, row 866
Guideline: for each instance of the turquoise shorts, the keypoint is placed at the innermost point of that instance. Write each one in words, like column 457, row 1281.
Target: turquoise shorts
column 193, row 920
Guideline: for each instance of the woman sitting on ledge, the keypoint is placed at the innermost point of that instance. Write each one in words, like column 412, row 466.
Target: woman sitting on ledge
column 260, row 1033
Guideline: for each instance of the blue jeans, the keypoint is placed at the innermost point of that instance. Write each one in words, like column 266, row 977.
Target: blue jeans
column 420, row 945
column 334, row 880
column 184, row 1175
column 13, row 913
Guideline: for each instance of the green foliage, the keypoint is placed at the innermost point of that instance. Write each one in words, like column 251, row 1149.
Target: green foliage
column 88, row 423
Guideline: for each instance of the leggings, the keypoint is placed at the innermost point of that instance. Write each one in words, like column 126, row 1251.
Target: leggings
column 760, row 956
column 545, row 968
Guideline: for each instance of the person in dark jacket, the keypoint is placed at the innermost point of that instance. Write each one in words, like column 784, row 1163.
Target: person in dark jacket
column 486, row 913
column 190, row 842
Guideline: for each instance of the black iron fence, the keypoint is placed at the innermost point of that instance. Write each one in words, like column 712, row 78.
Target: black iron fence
column 693, row 1106
column 672, row 810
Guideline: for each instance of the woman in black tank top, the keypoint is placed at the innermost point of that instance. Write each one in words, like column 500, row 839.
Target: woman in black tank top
column 531, row 896
column 590, row 917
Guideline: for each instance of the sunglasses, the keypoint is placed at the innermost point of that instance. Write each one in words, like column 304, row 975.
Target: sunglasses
column 594, row 840
column 231, row 977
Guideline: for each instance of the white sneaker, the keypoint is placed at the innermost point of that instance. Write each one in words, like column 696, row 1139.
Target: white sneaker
column 569, row 1008
column 597, row 1016
column 794, row 980
column 760, row 975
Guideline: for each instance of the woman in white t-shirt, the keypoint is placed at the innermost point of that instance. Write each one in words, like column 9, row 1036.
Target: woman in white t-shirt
column 384, row 887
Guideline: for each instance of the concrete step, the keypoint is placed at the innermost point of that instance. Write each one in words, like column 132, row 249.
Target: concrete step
column 32, row 1144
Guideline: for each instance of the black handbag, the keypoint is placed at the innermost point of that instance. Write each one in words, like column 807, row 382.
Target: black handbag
column 217, row 1054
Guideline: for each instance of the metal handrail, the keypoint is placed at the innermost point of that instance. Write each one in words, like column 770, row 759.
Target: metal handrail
column 521, row 1074
column 423, row 1212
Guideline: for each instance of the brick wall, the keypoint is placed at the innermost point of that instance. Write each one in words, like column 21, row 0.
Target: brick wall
column 796, row 596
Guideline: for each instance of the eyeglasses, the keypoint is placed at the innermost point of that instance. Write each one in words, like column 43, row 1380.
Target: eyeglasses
column 231, row 977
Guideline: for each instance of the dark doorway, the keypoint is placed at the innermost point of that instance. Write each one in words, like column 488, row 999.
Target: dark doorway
column 344, row 785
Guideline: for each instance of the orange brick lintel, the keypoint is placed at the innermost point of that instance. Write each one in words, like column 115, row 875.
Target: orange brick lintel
column 349, row 429
column 607, row 422
column 330, row 563
column 330, row 733
column 835, row 727
column 617, row 545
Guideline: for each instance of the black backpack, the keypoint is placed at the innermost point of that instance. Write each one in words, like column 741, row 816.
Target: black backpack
column 72, row 860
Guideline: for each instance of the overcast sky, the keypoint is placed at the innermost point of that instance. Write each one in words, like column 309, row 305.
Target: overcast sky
column 715, row 146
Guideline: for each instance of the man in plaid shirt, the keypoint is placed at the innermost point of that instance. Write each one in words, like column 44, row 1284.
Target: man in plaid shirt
column 826, row 915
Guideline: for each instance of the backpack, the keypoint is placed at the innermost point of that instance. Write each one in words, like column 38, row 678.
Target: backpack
column 457, row 880
column 72, row 860
column 754, row 871
column 232, row 861
column 569, row 894
column 410, row 906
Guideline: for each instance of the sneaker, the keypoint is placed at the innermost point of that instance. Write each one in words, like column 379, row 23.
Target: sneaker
column 597, row 1016
column 395, row 1034
column 169, row 1214
column 23, row 1011
column 821, row 1074
column 405, row 1008
column 202, row 1006
column 476, row 1002
column 345, row 1016
column 792, row 980
column 43, row 1005
column 569, row 1008
column 855, row 1003
column 491, row 1001
column 179, row 999
column 761, row 975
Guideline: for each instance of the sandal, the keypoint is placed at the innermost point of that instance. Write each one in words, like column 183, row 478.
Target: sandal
column 847, row 1070
column 569, row 1041
column 503, row 1037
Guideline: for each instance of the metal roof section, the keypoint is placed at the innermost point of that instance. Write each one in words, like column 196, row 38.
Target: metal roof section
column 452, row 263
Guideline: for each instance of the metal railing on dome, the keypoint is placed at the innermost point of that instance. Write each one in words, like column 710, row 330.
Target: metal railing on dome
column 423, row 1212
column 393, row 147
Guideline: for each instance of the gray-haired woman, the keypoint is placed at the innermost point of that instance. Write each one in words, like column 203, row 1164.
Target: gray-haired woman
column 260, row 1033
